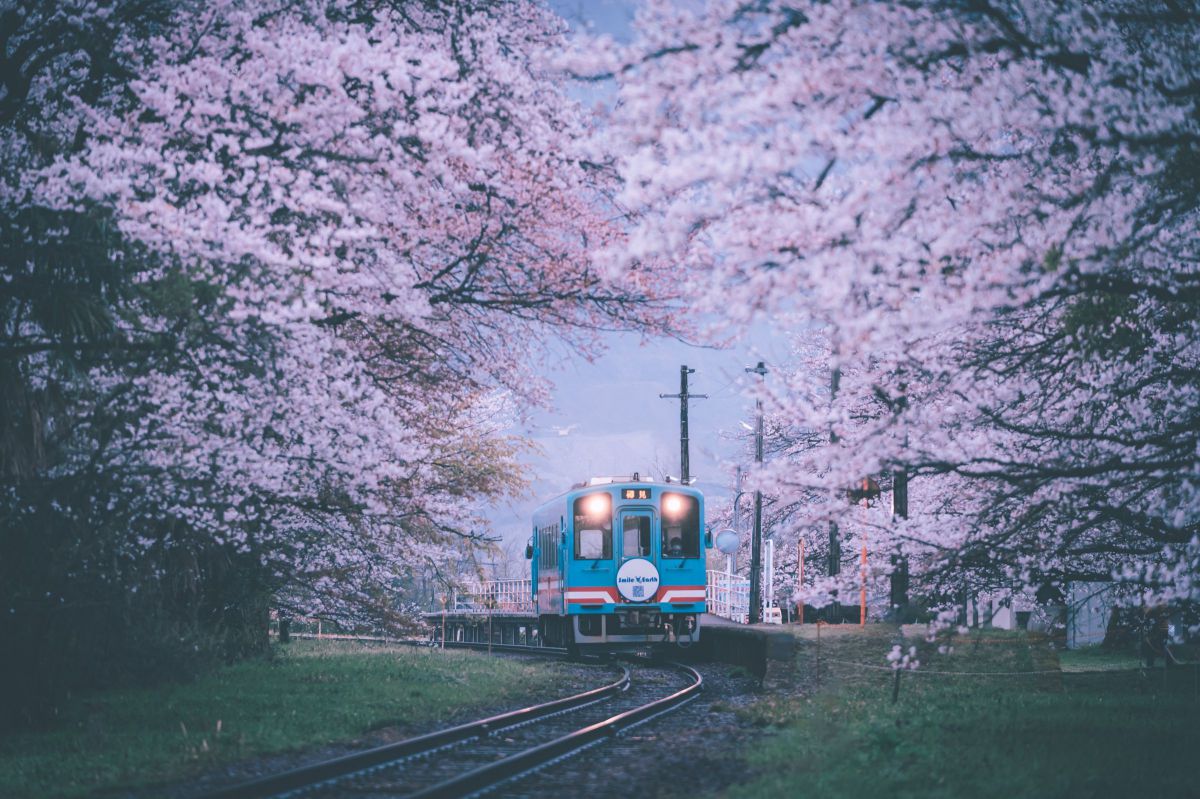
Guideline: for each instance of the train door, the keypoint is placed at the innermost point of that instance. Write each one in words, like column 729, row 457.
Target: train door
column 637, row 539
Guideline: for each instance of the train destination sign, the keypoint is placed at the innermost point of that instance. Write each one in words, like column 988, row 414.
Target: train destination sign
column 635, row 493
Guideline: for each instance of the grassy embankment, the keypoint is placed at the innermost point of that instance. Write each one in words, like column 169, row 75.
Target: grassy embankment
column 1061, row 734
column 312, row 693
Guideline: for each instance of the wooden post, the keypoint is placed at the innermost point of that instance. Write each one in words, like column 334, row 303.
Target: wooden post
column 443, row 598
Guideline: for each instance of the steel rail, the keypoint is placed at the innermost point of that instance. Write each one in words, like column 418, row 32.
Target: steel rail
column 515, row 765
column 315, row 773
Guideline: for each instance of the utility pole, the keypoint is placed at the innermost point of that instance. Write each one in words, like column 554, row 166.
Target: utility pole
column 756, row 540
column 737, row 516
column 899, row 583
column 683, row 396
column 835, row 544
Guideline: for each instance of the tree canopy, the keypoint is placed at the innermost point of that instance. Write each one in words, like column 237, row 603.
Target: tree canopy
column 985, row 214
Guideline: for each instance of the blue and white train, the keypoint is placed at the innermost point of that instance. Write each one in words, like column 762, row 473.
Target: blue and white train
column 619, row 562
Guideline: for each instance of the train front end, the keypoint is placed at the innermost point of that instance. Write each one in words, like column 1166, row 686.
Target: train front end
column 634, row 565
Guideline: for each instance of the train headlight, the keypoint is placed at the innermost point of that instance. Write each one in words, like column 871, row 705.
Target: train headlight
column 672, row 504
column 596, row 505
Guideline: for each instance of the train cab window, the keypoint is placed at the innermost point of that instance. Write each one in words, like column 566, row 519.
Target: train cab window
column 680, row 526
column 593, row 527
column 635, row 536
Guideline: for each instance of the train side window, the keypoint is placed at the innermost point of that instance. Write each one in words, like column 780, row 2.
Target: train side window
column 635, row 536
column 680, row 526
column 593, row 527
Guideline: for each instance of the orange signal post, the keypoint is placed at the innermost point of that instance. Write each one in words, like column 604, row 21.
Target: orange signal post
column 862, row 591
column 869, row 490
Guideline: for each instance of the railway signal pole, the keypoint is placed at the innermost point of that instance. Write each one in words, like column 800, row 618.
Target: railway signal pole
column 683, row 396
column 756, row 540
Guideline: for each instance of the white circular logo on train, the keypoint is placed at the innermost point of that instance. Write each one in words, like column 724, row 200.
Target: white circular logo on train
column 637, row 580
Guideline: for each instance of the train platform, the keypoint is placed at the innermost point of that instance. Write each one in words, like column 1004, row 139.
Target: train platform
column 765, row 650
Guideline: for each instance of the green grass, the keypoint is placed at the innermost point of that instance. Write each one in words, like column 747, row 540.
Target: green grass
column 1120, row 734
column 1096, row 658
column 312, row 693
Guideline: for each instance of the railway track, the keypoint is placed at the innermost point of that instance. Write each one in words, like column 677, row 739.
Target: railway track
column 472, row 757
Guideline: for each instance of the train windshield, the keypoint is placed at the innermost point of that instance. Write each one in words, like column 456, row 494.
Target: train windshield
column 680, row 526
column 593, row 527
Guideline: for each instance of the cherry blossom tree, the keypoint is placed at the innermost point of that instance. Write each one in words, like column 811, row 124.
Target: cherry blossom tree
column 988, row 210
column 275, row 279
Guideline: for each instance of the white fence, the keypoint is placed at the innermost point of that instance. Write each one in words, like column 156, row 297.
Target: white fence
column 728, row 596
column 494, row 597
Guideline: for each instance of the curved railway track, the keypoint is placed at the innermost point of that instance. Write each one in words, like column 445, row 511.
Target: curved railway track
column 472, row 757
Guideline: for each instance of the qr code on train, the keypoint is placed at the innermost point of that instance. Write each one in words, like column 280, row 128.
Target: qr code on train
column 639, row 591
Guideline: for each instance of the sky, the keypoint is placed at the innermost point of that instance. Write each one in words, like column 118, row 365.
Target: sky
column 599, row 16
column 608, row 419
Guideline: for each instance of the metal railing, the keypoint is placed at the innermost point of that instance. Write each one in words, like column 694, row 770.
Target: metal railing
column 728, row 596
column 496, row 597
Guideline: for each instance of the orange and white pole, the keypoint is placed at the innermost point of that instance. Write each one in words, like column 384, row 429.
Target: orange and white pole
column 862, row 591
